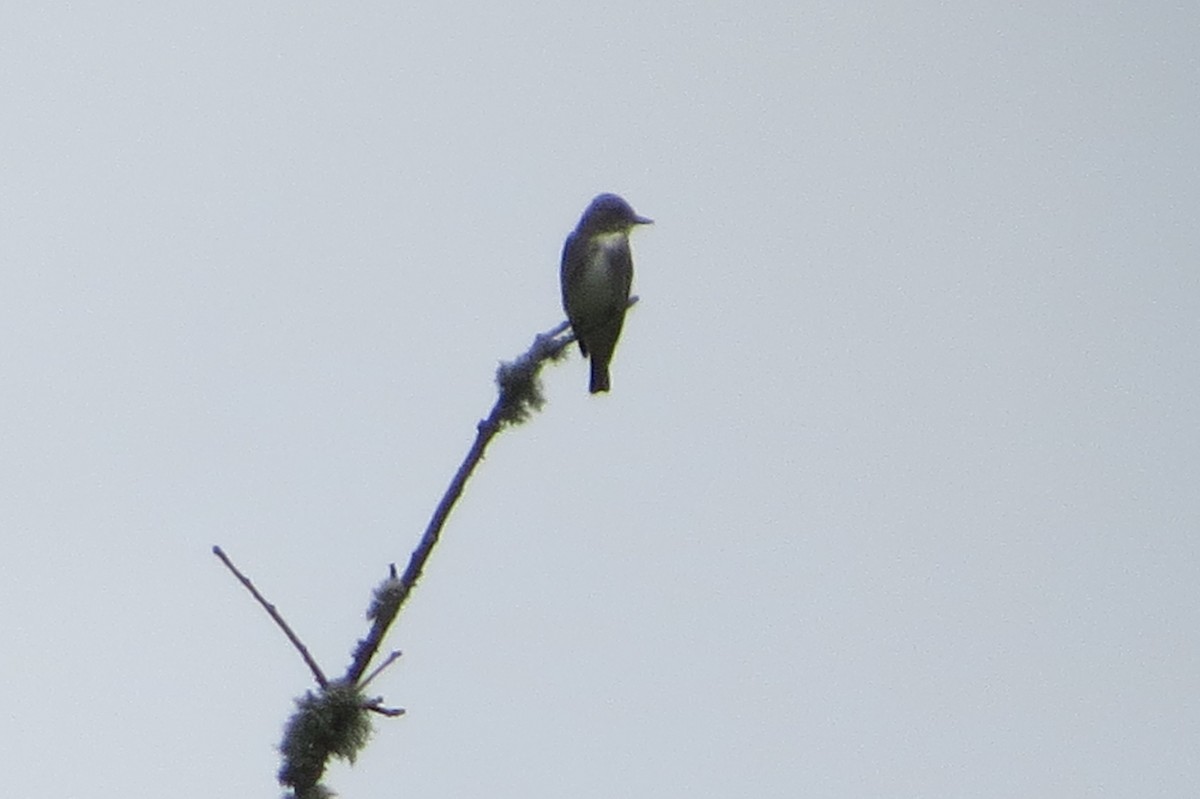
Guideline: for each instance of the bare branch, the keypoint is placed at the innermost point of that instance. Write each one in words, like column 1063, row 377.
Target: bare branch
column 333, row 722
column 519, row 395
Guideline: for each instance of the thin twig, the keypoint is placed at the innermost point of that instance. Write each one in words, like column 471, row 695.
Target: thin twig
column 390, row 712
column 274, row 614
column 389, row 660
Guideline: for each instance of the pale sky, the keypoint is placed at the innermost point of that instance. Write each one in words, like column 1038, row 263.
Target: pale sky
column 895, row 494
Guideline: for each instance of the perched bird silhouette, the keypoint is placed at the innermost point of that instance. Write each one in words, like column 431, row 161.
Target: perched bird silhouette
column 597, row 270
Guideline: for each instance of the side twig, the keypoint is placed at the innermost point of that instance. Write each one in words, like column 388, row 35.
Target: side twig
column 274, row 614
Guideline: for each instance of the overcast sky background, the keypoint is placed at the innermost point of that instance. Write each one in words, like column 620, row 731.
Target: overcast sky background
column 896, row 492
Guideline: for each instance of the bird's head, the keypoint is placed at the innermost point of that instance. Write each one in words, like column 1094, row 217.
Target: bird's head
column 608, row 213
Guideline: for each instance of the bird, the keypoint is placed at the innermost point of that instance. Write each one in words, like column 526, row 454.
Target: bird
column 597, row 271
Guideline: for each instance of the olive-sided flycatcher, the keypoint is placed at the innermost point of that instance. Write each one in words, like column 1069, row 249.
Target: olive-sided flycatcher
column 597, row 271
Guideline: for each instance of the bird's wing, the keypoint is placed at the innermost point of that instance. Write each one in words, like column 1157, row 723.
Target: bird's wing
column 574, row 253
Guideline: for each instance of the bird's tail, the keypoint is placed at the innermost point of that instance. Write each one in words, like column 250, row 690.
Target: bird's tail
column 599, row 375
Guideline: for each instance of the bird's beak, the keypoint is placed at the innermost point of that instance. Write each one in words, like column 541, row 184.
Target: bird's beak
column 641, row 220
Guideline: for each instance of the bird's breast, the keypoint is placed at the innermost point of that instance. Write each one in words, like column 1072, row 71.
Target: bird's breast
column 600, row 273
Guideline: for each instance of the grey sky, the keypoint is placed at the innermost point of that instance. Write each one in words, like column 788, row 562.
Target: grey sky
column 895, row 494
